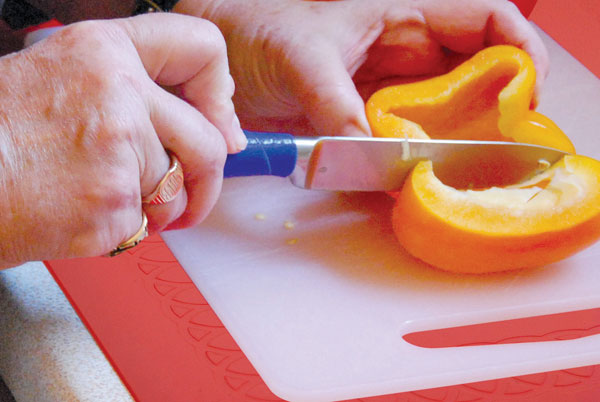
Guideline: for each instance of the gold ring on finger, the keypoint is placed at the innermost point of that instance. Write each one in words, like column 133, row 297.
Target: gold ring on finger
column 169, row 186
column 133, row 240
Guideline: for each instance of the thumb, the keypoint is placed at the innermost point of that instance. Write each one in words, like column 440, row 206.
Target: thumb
column 184, row 51
column 329, row 97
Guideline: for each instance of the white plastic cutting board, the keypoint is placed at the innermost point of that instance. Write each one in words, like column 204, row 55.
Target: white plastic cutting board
column 320, row 306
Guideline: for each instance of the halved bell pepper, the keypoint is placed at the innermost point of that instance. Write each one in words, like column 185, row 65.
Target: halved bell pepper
column 534, row 223
column 540, row 221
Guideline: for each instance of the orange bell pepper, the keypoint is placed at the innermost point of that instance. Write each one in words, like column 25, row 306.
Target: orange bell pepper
column 485, row 98
column 537, row 222
column 540, row 221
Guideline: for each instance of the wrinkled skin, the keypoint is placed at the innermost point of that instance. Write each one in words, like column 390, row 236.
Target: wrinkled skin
column 307, row 66
column 84, row 126
column 85, row 121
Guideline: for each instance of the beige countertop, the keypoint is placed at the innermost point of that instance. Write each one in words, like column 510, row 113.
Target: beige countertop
column 46, row 353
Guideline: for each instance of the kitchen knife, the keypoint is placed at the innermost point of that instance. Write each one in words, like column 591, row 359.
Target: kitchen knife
column 382, row 164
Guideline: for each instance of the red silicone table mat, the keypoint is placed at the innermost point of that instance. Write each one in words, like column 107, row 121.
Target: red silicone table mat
column 167, row 344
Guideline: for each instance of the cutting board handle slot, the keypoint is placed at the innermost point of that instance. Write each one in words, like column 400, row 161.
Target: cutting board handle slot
column 541, row 328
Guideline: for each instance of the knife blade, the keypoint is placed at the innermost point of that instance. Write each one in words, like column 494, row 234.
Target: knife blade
column 382, row 164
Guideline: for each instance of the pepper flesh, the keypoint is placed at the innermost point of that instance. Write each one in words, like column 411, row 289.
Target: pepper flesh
column 540, row 221
column 488, row 97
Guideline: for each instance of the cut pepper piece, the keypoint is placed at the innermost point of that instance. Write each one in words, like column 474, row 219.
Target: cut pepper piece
column 538, row 222
column 485, row 98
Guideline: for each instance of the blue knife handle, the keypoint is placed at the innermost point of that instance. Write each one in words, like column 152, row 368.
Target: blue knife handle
column 267, row 154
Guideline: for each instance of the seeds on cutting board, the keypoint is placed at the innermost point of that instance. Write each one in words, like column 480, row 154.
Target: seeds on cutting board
column 260, row 217
column 289, row 225
column 291, row 242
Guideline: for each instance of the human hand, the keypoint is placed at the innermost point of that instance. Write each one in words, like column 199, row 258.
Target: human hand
column 84, row 126
column 307, row 66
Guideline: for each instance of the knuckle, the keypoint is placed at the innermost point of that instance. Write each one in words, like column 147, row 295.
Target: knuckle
column 97, row 55
column 97, row 82
column 90, row 242
column 102, row 237
column 214, row 156
column 101, row 46
column 75, row 33
column 208, row 34
column 213, row 32
column 230, row 86
column 115, row 200
column 86, row 35
column 221, row 108
column 114, row 190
